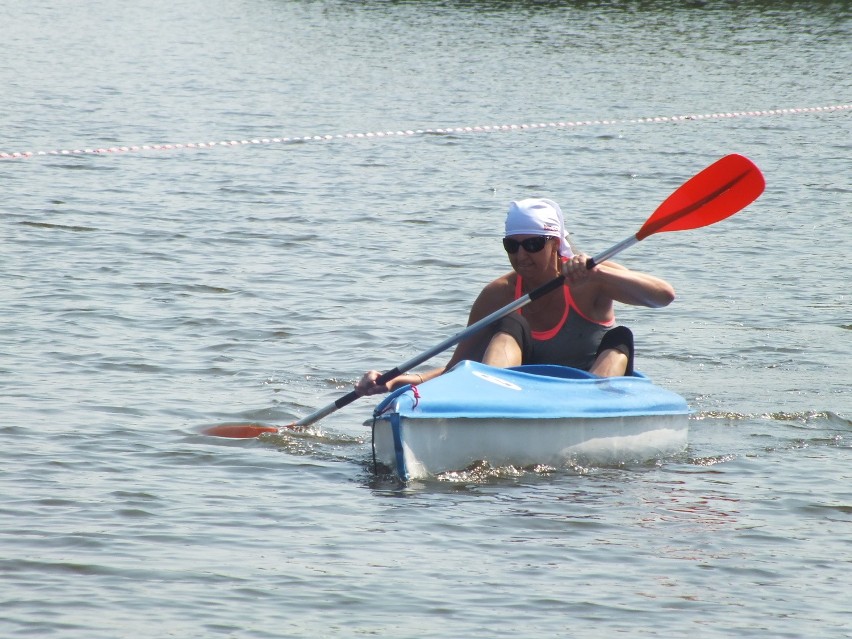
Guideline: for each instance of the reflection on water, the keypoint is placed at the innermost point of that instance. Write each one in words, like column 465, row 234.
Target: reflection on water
column 838, row 8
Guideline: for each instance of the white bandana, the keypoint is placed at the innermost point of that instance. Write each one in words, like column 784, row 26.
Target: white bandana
column 538, row 216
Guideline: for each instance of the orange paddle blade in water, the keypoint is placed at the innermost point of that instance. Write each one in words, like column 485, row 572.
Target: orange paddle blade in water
column 239, row 431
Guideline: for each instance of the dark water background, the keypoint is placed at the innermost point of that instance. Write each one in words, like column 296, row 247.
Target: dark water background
column 147, row 294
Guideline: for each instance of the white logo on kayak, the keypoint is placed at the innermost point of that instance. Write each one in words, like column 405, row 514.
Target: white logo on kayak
column 497, row 380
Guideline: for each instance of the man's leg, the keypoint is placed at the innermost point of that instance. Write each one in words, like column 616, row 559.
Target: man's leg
column 615, row 354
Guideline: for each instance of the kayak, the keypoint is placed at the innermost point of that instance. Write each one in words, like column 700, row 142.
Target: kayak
column 525, row 416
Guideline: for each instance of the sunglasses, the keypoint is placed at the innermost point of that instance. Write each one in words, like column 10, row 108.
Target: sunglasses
column 531, row 244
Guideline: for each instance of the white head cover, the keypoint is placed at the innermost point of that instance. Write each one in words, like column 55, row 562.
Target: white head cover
column 538, row 216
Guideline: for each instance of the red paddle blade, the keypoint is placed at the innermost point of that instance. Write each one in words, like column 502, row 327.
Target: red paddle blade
column 719, row 191
column 238, row 431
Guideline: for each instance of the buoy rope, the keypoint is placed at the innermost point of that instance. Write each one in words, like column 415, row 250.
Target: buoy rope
column 19, row 155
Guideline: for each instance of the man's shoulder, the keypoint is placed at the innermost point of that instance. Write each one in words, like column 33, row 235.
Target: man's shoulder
column 502, row 284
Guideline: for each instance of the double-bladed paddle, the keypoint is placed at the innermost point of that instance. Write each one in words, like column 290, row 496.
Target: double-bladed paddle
column 723, row 188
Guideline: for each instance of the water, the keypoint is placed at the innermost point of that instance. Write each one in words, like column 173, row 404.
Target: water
column 148, row 294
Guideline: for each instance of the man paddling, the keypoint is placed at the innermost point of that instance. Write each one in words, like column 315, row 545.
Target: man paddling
column 714, row 194
column 573, row 325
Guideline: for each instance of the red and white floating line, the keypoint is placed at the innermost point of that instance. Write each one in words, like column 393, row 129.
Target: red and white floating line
column 20, row 155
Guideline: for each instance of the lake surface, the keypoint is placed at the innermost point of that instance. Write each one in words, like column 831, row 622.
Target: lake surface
column 150, row 292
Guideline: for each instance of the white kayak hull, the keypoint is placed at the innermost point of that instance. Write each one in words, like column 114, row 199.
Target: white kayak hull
column 518, row 417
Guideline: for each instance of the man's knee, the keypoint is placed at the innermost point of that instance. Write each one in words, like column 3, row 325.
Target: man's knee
column 619, row 339
column 516, row 326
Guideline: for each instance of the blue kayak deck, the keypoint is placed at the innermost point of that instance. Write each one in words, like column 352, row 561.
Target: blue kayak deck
column 474, row 390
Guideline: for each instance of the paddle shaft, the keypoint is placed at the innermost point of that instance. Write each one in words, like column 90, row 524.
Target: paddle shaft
column 533, row 295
